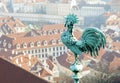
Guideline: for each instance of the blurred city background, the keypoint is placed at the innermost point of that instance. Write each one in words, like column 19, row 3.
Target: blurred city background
column 30, row 33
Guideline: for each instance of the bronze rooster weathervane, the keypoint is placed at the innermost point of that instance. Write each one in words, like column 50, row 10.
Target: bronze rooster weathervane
column 91, row 41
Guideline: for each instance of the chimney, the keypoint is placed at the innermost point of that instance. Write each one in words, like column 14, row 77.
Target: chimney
column 20, row 65
column 5, row 50
column 21, row 59
column 16, row 61
column 39, row 74
column 45, row 64
column 16, row 53
column 29, row 56
column 13, row 52
column 24, row 54
column 29, row 63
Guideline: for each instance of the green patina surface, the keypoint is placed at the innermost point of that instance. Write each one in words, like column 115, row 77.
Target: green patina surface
column 91, row 41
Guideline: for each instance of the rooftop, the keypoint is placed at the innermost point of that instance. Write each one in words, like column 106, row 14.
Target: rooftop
column 9, row 73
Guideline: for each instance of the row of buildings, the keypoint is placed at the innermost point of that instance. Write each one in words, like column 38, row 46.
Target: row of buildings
column 37, row 43
column 86, row 9
column 32, row 50
column 9, row 25
column 45, row 11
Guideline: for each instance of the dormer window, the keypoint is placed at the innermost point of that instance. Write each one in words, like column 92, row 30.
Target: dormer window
column 24, row 45
column 9, row 45
column 38, row 43
column 33, row 34
column 49, row 32
column 5, row 25
column 44, row 32
column 18, row 46
column 31, row 44
column 55, row 31
column 53, row 41
column 2, row 20
column 44, row 43
column 61, row 31
column 4, row 43
column 59, row 41
column 5, row 20
column 16, row 25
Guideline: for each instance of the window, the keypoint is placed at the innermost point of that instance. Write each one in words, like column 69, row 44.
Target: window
column 9, row 45
column 45, row 55
column 60, row 48
column 28, row 51
column 18, row 46
column 53, row 49
column 57, row 54
column 53, row 41
column 32, row 51
column 57, row 48
column 64, row 47
column 60, row 53
column 55, row 31
column 42, row 55
column 35, row 50
column 61, row 30
column 49, row 32
column 42, row 50
column 24, row 45
column 39, row 56
column 38, row 43
column 25, row 51
column 44, row 33
column 44, row 43
column 32, row 44
column 53, row 54
column 4, row 43
column 39, row 50
column 49, row 49
column 48, row 78
column 45, row 49
column 59, row 41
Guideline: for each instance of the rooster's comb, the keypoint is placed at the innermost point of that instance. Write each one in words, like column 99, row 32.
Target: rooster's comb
column 72, row 18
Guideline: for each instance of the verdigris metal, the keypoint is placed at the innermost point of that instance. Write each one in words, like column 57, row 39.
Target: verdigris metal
column 91, row 41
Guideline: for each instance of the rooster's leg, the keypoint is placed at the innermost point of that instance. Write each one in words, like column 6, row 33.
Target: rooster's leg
column 76, row 61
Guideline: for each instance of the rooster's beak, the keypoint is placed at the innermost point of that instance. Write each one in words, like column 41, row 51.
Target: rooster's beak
column 65, row 25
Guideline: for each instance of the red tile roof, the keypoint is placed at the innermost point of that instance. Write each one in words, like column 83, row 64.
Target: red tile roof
column 29, row 63
column 62, row 60
column 11, row 23
column 115, row 64
column 45, row 73
column 25, row 63
column 51, row 64
column 6, row 54
column 21, row 38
